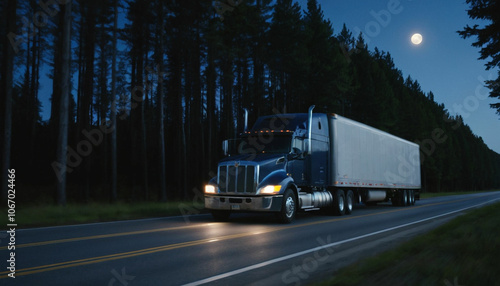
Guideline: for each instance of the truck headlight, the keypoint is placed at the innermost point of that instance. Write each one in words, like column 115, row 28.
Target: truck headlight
column 209, row 189
column 271, row 189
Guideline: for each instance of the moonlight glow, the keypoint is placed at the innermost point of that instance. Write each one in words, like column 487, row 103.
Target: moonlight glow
column 416, row 39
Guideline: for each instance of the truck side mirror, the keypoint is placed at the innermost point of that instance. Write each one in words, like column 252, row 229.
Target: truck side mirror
column 295, row 153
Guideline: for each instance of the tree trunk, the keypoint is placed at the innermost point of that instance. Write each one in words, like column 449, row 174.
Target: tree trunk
column 8, row 74
column 33, row 98
column 159, row 52
column 114, row 164
column 87, row 89
column 62, row 142
column 103, row 101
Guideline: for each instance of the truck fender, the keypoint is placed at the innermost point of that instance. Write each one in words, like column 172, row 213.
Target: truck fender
column 279, row 177
column 213, row 181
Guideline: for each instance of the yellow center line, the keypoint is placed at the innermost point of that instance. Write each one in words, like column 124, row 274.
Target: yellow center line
column 40, row 243
column 93, row 260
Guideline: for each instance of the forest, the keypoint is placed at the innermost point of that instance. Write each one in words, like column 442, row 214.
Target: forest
column 142, row 93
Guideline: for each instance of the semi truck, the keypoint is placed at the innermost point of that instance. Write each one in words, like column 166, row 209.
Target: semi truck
column 312, row 161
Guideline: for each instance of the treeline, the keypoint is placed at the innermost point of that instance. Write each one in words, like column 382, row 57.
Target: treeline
column 177, row 82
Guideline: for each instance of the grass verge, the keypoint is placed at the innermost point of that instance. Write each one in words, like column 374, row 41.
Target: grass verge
column 464, row 251
column 434, row 195
column 36, row 216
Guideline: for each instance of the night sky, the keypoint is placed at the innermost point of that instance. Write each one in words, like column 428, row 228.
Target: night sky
column 443, row 63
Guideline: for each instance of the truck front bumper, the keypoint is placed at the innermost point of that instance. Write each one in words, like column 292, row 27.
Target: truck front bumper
column 250, row 204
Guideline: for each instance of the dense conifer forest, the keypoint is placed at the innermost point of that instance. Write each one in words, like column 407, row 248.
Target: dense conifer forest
column 143, row 92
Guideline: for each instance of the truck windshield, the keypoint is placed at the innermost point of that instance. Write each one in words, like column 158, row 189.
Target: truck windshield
column 262, row 143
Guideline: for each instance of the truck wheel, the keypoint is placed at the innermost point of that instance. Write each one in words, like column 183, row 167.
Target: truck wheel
column 338, row 202
column 349, row 199
column 396, row 198
column 412, row 200
column 221, row 215
column 289, row 207
column 404, row 198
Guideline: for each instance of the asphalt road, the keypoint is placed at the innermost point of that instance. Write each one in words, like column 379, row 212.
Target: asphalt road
column 251, row 249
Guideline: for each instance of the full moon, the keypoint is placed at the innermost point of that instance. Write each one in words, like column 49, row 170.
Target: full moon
column 416, row 39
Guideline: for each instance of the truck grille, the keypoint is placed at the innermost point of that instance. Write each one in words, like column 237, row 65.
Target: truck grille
column 237, row 179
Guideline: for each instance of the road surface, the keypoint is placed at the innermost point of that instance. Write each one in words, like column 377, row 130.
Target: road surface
column 251, row 249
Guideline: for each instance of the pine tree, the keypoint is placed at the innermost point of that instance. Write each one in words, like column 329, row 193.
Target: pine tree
column 138, row 37
column 488, row 38
column 328, row 80
column 286, row 61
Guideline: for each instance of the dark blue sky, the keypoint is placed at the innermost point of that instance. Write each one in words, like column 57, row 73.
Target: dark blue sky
column 444, row 63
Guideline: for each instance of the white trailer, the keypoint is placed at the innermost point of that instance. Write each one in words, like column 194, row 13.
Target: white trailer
column 374, row 163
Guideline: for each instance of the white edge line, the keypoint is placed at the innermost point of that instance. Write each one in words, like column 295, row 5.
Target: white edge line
column 283, row 258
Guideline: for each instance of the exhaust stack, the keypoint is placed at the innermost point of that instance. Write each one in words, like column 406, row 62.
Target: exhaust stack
column 245, row 128
column 309, row 127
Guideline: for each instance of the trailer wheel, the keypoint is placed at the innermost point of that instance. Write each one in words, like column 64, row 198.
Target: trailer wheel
column 349, row 199
column 289, row 207
column 412, row 197
column 404, row 199
column 400, row 198
column 396, row 198
column 338, row 202
column 221, row 215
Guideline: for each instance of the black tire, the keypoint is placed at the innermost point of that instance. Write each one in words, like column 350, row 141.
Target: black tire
column 349, row 201
column 288, row 207
column 404, row 198
column 221, row 215
column 412, row 192
column 338, row 202
column 396, row 198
